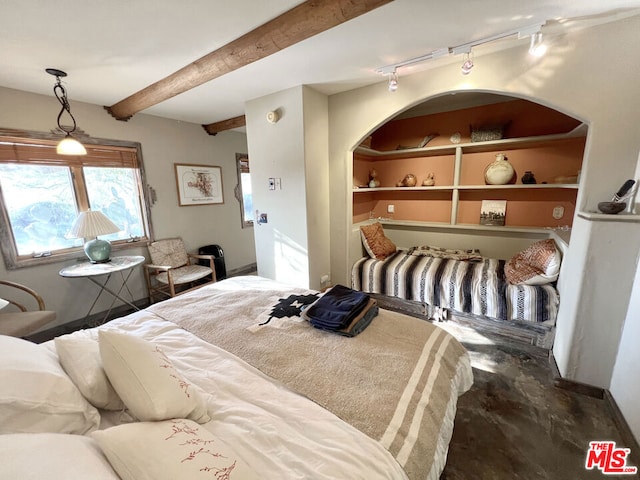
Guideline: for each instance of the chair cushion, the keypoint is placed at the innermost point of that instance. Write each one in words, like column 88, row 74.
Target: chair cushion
column 20, row 324
column 189, row 273
column 170, row 252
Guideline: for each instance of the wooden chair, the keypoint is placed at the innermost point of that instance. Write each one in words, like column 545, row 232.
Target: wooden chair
column 23, row 322
column 172, row 268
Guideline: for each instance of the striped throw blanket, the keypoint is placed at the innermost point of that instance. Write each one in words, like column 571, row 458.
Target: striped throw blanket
column 478, row 288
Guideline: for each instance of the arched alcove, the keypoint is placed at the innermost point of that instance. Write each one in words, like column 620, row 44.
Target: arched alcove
column 446, row 142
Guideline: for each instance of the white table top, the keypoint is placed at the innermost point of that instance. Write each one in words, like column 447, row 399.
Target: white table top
column 88, row 269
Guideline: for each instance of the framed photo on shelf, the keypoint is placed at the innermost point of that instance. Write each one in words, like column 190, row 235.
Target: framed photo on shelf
column 198, row 184
column 493, row 212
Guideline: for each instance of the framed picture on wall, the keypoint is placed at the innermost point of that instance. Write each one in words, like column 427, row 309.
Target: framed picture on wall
column 493, row 212
column 198, row 184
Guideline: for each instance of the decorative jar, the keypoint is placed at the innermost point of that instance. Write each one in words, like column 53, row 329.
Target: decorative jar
column 500, row 171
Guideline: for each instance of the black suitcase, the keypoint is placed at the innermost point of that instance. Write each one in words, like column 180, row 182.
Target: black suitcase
column 218, row 253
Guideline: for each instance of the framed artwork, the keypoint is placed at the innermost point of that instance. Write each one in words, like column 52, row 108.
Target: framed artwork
column 493, row 212
column 198, row 184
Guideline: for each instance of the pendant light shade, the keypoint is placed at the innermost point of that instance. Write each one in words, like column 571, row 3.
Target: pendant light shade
column 70, row 146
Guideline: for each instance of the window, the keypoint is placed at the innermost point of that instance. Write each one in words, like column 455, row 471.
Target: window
column 243, row 190
column 42, row 194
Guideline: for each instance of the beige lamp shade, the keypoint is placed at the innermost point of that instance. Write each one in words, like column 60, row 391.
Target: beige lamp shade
column 89, row 225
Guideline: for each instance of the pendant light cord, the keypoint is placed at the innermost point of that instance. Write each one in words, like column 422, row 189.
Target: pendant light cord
column 61, row 94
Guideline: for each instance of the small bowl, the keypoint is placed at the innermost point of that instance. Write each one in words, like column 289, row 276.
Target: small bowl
column 611, row 207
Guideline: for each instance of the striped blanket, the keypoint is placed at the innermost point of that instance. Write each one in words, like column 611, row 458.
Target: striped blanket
column 478, row 288
column 398, row 381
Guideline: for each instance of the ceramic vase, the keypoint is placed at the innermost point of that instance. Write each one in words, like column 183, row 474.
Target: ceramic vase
column 528, row 178
column 500, row 171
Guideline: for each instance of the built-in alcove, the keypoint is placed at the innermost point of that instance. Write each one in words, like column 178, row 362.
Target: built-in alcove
column 468, row 130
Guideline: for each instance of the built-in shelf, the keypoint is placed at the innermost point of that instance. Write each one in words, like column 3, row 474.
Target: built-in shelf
column 474, row 147
column 559, row 234
column 467, row 187
column 457, row 198
column 604, row 217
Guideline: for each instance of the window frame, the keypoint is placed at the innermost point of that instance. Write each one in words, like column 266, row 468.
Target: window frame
column 14, row 261
column 237, row 191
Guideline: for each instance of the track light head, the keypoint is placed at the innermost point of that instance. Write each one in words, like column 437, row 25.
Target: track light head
column 393, row 81
column 537, row 48
column 467, row 65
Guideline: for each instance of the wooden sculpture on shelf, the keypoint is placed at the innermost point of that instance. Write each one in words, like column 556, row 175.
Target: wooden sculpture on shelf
column 409, row 180
column 373, row 179
column 430, row 181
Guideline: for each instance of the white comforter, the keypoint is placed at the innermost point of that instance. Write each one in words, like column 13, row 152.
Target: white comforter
column 276, row 431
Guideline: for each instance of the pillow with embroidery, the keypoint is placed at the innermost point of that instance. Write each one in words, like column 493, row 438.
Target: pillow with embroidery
column 536, row 265
column 147, row 381
column 376, row 242
column 169, row 450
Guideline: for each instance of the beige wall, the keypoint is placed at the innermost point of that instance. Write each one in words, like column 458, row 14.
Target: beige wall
column 591, row 75
column 293, row 247
column 164, row 142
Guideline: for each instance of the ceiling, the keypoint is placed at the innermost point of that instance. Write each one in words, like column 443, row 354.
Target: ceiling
column 113, row 49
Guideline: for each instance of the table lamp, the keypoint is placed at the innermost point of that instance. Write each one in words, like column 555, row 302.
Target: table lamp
column 89, row 225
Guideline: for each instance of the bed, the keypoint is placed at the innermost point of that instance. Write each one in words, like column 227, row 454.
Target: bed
column 516, row 298
column 228, row 381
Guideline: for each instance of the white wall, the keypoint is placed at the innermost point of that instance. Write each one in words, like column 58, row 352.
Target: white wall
column 625, row 386
column 277, row 151
column 590, row 74
column 316, row 143
column 164, row 142
column 295, row 150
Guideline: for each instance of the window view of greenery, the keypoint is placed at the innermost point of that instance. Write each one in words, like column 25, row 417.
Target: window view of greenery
column 247, row 199
column 243, row 190
column 41, row 204
column 114, row 191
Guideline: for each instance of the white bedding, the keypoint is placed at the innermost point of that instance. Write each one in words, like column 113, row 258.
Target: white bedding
column 279, row 433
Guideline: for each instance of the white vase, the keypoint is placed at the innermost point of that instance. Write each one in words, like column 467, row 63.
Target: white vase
column 500, row 171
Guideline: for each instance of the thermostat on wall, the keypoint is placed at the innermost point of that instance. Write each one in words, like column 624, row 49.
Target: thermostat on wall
column 272, row 117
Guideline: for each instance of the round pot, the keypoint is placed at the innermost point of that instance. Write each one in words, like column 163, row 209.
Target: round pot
column 500, row 171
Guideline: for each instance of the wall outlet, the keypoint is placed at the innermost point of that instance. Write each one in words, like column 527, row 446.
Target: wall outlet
column 558, row 212
column 391, row 208
column 324, row 279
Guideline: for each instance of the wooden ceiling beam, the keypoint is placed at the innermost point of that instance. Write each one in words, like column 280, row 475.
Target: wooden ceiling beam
column 235, row 122
column 301, row 22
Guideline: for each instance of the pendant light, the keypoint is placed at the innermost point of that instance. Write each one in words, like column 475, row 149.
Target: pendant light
column 68, row 145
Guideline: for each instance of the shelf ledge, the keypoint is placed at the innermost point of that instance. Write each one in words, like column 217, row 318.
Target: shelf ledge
column 604, row 217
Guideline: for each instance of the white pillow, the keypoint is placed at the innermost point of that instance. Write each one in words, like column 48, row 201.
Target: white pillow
column 54, row 456
column 146, row 380
column 169, row 450
column 80, row 358
column 36, row 395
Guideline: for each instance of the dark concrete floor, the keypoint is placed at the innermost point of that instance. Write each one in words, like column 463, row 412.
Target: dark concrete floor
column 515, row 424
